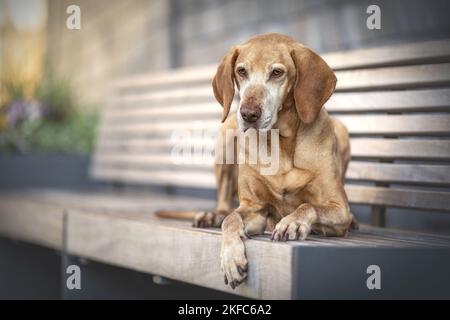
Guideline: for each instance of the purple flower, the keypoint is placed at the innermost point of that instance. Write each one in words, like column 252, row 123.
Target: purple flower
column 20, row 111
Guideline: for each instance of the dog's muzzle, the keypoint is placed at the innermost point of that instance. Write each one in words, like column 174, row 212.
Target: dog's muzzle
column 251, row 113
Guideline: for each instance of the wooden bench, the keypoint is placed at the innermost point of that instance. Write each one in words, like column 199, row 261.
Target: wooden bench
column 395, row 102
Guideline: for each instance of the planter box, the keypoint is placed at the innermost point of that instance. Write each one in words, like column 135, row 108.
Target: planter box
column 50, row 171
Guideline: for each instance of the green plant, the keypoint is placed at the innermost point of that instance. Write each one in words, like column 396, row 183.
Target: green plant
column 14, row 90
column 57, row 97
column 74, row 135
column 51, row 122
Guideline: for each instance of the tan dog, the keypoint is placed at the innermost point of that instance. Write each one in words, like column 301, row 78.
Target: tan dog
column 282, row 85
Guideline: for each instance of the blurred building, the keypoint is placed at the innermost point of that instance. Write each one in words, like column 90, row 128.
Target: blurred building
column 22, row 43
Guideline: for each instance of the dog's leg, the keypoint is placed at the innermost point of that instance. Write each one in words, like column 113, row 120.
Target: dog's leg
column 226, row 185
column 328, row 221
column 226, row 171
column 236, row 227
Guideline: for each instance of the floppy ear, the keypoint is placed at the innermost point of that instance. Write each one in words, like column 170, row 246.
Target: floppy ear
column 315, row 83
column 223, row 82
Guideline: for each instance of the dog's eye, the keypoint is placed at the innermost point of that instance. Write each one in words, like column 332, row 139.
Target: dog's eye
column 276, row 73
column 242, row 72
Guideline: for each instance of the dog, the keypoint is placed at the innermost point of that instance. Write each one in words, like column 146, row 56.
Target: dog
column 282, row 85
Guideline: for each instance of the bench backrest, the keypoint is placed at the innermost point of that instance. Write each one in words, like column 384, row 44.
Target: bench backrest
column 394, row 100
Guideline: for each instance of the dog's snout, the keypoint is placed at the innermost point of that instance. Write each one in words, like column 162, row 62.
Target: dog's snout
column 250, row 113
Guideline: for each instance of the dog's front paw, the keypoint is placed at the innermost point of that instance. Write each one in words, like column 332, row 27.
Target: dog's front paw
column 207, row 219
column 290, row 229
column 234, row 263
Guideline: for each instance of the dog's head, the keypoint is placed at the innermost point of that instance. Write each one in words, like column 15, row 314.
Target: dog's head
column 269, row 71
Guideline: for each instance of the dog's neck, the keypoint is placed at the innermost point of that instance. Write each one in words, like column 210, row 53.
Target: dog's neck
column 288, row 121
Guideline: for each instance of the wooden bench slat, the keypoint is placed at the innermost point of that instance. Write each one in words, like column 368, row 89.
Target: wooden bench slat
column 25, row 221
column 178, row 77
column 404, row 234
column 397, row 125
column 209, row 110
column 157, row 127
column 422, row 52
column 401, row 149
column 390, row 101
column 151, row 160
column 417, row 199
column 432, row 100
column 361, row 148
column 394, row 77
column 392, row 125
column 433, row 175
column 165, row 97
column 174, row 252
column 436, row 175
column 428, row 200
column 135, row 176
column 400, row 77
column 342, row 102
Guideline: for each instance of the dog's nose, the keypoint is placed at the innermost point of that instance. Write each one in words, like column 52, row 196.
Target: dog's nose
column 250, row 113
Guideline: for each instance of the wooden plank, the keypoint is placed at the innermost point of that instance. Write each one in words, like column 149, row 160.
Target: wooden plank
column 377, row 78
column 390, row 101
column 183, row 254
column 409, row 53
column 424, row 52
column 436, row 175
column 29, row 221
column 436, row 100
column 167, row 96
column 402, row 149
column 156, row 161
column 108, row 144
column 387, row 101
column 405, row 77
column 357, row 194
column 429, row 200
column 162, row 79
column 361, row 148
column 159, row 127
column 403, row 234
column 187, row 111
column 134, row 175
column 161, row 168
column 397, row 125
column 125, row 203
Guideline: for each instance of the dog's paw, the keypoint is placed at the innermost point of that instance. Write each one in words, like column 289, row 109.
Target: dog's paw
column 234, row 263
column 207, row 219
column 290, row 229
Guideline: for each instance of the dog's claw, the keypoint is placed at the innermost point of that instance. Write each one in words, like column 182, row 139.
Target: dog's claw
column 234, row 263
column 241, row 271
column 207, row 219
column 290, row 230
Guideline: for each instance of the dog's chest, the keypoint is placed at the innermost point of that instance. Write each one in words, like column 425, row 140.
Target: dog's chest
column 290, row 178
column 287, row 190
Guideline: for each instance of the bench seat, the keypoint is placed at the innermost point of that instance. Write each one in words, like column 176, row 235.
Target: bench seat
column 119, row 228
